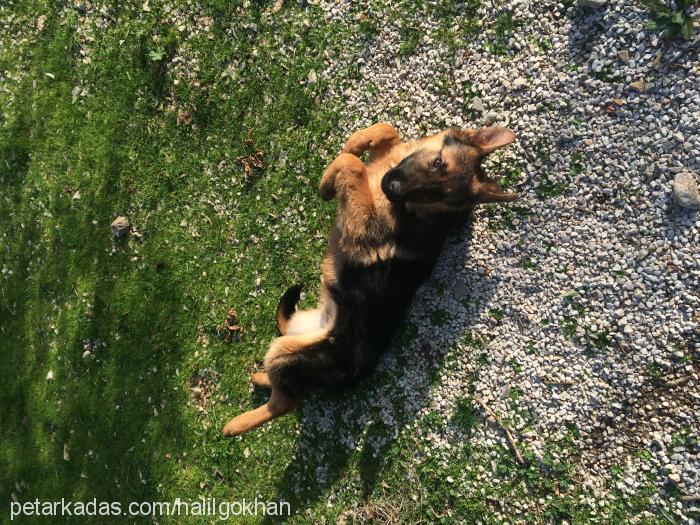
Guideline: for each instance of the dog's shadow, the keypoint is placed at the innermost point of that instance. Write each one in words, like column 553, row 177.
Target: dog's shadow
column 359, row 426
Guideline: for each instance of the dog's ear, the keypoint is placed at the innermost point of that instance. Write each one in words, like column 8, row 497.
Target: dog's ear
column 487, row 190
column 486, row 139
column 490, row 139
column 493, row 193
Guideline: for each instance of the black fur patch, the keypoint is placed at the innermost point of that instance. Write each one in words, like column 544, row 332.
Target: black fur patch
column 371, row 301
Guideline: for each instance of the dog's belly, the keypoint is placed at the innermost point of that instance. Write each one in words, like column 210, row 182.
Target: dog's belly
column 305, row 321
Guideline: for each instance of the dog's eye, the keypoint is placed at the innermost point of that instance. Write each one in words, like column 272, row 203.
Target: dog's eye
column 437, row 163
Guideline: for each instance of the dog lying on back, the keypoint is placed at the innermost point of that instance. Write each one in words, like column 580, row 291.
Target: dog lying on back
column 394, row 213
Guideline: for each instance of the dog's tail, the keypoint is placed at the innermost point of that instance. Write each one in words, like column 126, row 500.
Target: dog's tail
column 287, row 306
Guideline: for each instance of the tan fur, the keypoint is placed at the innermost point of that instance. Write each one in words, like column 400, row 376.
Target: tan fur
column 365, row 216
column 288, row 344
column 278, row 405
column 260, row 379
column 328, row 274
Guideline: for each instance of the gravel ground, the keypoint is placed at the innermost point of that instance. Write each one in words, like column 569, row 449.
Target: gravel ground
column 584, row 298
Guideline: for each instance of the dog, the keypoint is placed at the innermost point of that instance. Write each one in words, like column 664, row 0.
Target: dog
column 394, row 213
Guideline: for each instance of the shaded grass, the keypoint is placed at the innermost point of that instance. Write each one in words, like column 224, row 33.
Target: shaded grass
column 118, row 425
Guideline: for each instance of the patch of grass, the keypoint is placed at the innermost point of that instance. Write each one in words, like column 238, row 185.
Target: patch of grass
column 368, row 25
column 530, row 348
column 672, row 23
column 462, row 15
column 569, row 326
column 469, row 93
column 549, row 188
column 510, row 176
column 506, row 216
column 471, row 340
column 466, row 415
column 655, row 371
column 515, row 365
column 686, row 438
column 607, row 75
column 433, row 421
column 528, row 264
column 496, row 313
column 502, row 31
column 410, row 40
column 207, row 236
column 544, row 44
column 577, row 165
column 599, row 340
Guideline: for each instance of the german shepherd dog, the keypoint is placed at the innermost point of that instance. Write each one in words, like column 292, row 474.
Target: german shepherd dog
column 394, row 213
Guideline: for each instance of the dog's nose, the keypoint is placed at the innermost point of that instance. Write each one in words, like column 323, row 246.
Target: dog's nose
column 391, row 187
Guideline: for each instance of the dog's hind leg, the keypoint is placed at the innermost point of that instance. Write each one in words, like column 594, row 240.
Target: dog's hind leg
column 260, row 379
column 278, row 405
column 281, row 401
column 377, row 139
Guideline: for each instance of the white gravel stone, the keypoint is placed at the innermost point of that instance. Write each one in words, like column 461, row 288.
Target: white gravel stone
column 120, row 227
column 685, row 190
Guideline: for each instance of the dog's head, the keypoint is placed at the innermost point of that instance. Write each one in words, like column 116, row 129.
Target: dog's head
column 447, row 170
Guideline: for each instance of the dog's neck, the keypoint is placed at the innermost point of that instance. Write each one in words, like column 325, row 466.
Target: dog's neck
column 437, row 213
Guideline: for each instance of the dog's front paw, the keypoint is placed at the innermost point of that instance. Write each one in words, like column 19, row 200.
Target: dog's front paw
column 358, row 143
column 327, row 186
column 327, row 190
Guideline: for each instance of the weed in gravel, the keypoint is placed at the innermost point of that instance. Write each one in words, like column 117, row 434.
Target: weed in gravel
column 510, row 176
column 568, row 326
column 466, row 415
column 504, row 218
column 672, row 23
column 607, row 75
column 410, row 39
column 502, row 31
column 515, row 365
column 433, row 421
column 496, row 313
column 549, row 188
column 472, row 340
column 655, row 371
column 600, row 340
column 529, row 264
column 368, row 25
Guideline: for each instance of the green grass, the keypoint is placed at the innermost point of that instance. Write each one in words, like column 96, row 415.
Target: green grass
column 502, row 30
column 577, row 164
column 529, row 264
column 410, row 40
column 671, row 23
column 211, row 237
column 549, row 188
